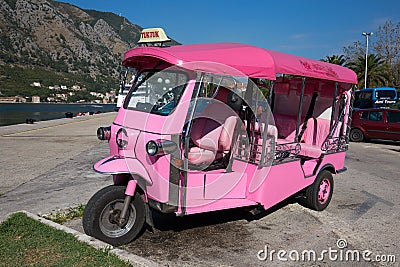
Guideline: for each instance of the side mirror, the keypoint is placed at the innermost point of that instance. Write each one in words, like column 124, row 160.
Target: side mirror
column 234, row 101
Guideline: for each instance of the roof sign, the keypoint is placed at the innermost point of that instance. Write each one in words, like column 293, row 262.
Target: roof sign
column 153, row 35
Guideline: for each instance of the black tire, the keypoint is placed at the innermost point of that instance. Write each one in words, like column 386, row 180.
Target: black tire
column 356, row 135
column 319, row 194
column 101, row 216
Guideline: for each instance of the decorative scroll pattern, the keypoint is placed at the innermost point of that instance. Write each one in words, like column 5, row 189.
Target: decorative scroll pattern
column 287, row 151
column 335, row 144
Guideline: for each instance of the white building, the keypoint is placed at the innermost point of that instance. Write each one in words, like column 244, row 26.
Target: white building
column 36, row 84
column 35, row 99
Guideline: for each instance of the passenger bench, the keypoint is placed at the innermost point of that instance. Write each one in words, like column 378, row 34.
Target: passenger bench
column 315, row 134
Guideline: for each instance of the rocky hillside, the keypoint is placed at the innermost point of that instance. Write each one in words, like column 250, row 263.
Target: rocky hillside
column 43, row 38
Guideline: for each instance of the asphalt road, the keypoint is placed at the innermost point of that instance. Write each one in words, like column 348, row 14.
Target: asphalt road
column 364, row 213
column 31, row 150
column 47, row 166
column 50, row 167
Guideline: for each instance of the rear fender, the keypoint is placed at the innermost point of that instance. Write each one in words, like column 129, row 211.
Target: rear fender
column 329, row 167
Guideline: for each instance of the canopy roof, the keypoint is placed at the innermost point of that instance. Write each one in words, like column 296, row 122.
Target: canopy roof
column 233, row 58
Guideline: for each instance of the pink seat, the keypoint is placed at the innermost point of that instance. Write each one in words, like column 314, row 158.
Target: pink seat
column 314, row 136
column 259, row 128
column 212, row 133
column 286, row 125
column 199, row 156
column 310, row 151
column 212, row 140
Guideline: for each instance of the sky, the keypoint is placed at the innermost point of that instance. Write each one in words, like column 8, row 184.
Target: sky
column 309, row 28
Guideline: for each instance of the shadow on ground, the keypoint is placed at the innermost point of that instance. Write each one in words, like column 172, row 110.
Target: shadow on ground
column 205, row 237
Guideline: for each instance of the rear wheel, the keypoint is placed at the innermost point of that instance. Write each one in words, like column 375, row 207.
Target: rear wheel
column 101, row 218
column 356, row 135
column 319, row 194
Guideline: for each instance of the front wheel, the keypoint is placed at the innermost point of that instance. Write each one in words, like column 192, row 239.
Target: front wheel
column 102, row 214
column 319, row 194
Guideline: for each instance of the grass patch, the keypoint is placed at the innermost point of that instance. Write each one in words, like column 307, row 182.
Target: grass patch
column 27, row 242
column 62, row 216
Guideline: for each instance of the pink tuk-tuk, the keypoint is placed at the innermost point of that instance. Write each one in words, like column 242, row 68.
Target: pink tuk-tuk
column 209, row 127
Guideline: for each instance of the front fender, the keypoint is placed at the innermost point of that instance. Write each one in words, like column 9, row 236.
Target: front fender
column 117, row 165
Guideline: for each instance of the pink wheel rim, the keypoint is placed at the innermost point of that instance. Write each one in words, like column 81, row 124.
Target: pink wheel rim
column 324, row 191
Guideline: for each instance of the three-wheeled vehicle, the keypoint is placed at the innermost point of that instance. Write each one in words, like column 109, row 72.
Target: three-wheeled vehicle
column 205, row 137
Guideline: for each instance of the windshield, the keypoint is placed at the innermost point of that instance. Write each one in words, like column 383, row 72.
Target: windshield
column 385, row 94
column 157, row 92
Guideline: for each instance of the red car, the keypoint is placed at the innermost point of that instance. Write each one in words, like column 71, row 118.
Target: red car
column 375, row 124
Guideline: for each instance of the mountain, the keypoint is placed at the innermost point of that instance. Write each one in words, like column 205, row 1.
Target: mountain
column 58, row 43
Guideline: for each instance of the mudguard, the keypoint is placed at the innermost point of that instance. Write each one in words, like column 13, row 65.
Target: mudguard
column 117, row 165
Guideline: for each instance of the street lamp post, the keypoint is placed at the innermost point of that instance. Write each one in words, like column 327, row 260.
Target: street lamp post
column 366, row 57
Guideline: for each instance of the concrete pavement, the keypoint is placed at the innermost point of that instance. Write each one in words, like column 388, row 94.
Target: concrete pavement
column 31, row 150
column 48, row 165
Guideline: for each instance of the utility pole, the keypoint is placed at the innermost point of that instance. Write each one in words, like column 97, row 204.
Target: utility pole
column 367, row 35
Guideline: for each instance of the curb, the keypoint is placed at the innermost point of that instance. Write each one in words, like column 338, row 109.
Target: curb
column 122, row 254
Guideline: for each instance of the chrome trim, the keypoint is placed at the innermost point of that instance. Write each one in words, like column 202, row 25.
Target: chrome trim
column 121, row 142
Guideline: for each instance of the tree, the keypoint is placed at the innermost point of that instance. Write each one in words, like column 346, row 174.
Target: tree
column 354, row 51
column 387, row 46
column 336, row 59
column 387, row 43
column 378, row 71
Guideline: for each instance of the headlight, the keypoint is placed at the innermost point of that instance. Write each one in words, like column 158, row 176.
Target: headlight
column 104, row 133
column 151, row 148
column 160, row 147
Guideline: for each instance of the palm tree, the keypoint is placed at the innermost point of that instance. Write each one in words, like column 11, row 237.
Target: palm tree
column 335, row 59
column 378, row 71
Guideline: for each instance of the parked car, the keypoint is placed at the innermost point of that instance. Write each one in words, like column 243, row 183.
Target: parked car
column 375, row 124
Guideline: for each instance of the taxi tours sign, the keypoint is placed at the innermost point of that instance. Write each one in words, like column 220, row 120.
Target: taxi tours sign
column 153, row 35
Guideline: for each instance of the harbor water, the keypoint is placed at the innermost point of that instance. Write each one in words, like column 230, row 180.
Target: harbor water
column 15, row 113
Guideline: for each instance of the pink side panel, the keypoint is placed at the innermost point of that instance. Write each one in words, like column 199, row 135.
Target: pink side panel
column 218, row 190
column 281, row 181
column 278, row 183
column 337, row 160
column 216, row 185
column 199, row 206
column 195, row 186
column 156, row 166
column 225, row 185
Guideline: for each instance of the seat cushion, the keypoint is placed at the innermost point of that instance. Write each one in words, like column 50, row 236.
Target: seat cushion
column 205, row 133
column 311, row 151
column 225, row 139
column 199, row 155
